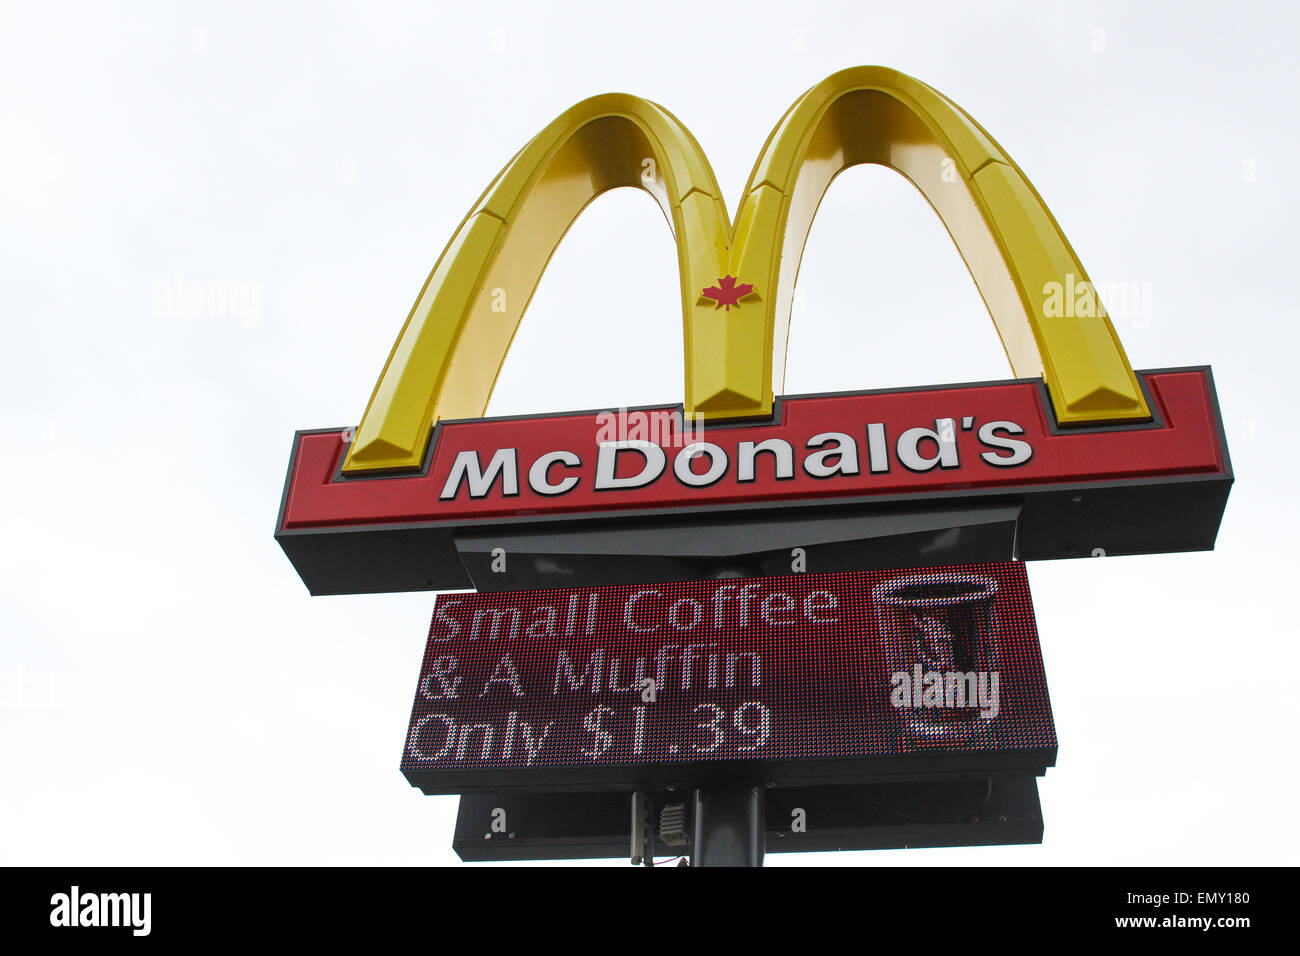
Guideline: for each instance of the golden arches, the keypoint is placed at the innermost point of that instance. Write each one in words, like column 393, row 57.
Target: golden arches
column 447, row 357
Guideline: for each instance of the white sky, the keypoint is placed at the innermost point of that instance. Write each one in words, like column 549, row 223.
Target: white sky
column 169, row 694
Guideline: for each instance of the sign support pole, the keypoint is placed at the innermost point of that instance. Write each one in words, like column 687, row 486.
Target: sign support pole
column 728, row 826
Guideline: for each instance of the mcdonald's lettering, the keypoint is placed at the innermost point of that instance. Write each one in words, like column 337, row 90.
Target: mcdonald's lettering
column 1078, row 452
column 825, row 455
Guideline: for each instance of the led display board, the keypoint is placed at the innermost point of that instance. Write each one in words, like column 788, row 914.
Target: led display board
column 847, row 677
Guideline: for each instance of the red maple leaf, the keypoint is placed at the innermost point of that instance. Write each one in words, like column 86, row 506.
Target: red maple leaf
column 726, row 293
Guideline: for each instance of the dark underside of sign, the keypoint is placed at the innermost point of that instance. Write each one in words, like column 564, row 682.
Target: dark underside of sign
column 948, row 766
column 570, row 826
column 934, row 476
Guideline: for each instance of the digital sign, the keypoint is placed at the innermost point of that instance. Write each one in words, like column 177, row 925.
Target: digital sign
column 844, row 677
column 587, row 654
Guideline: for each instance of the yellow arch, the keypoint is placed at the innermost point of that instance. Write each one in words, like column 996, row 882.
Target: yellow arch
column 447, row 358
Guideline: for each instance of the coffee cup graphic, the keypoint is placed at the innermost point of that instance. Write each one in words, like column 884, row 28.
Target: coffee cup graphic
column 939, row 634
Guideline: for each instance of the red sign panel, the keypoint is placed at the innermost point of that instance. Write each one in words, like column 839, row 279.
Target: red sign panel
column 938, row 444
column 861, row 444
column 850, row 676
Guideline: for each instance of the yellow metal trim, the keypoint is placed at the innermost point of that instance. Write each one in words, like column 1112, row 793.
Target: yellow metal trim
column 451, row 349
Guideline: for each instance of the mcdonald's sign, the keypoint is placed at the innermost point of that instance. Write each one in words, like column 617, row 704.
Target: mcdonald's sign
column 1077, row 455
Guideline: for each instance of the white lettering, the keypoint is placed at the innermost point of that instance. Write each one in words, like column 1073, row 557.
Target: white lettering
column 467, row 465
column 607, row 464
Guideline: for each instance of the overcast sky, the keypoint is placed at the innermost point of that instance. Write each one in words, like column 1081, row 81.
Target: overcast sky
column 170, row 694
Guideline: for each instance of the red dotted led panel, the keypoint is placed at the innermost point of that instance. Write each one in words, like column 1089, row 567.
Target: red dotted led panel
column 798, row 667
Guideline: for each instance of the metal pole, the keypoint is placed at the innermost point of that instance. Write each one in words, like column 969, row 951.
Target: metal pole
column 728, row 825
